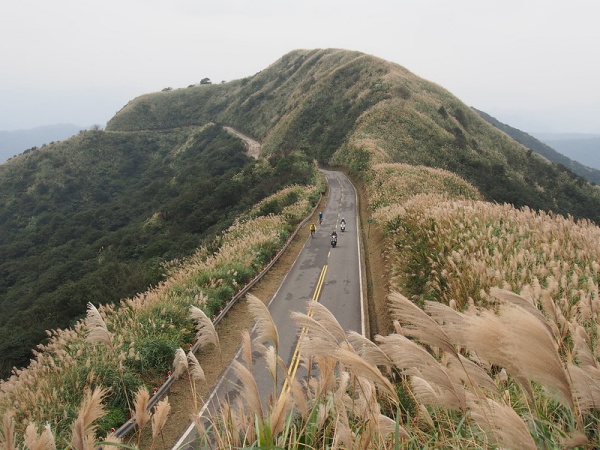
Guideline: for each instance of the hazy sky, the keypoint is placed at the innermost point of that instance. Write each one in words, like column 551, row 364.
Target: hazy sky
column 534, row 64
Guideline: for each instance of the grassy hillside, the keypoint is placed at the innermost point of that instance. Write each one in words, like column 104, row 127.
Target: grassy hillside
column 348, row 108
column 94, row 218
column 499, row 301
column 497, row 346
column 494, row 341
column 121, row 350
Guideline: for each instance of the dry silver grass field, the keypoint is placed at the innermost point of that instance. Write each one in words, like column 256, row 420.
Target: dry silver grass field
column 498, row 348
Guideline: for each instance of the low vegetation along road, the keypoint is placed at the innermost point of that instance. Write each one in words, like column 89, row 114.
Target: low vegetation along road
column 331, row 276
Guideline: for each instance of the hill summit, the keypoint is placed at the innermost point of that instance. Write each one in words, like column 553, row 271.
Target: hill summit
column 349, row 108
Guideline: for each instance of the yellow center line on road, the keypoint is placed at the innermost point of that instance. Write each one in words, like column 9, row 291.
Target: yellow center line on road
column 295, row 362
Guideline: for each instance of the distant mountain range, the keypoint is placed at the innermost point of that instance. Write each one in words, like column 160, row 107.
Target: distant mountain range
column 578, row 153
column 584, row 148
column 15, row 142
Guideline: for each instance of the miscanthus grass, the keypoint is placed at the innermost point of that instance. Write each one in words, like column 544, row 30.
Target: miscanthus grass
column 514, row 291
column 495, row 341
column 129, row 347
column 501, row 358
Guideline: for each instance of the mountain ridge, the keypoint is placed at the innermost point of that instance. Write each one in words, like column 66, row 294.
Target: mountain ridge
column 529, row 141
column 14, row 142
column 376, row 119
column 338, row 105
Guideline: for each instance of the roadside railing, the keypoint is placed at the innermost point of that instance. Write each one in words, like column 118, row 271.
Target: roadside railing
column 164, row 389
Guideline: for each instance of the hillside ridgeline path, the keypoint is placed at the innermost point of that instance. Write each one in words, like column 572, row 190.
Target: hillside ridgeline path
column 253, row 147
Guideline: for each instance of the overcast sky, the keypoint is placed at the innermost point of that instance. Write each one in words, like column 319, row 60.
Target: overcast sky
column 533, row 64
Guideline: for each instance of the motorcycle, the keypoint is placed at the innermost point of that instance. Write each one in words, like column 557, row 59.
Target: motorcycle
column 333, row 241
column 343, row 226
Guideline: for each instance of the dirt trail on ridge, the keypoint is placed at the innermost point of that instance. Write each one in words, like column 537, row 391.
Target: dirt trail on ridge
column 252, row 146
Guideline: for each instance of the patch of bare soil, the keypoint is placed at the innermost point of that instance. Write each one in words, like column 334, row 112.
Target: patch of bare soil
column 239, row 319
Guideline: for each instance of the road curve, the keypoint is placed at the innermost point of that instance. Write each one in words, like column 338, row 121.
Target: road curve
column 252, row 146
column 321, row 273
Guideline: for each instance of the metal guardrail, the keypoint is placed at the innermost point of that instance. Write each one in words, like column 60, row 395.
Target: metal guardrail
column 163, row 390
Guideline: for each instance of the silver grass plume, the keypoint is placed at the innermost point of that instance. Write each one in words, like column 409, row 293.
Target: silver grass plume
column 387, row 426
column 484, row 334
column 359, row 367
column 342, row 402
column 533, row 347
column 322, row 315
column 581, row 348
column 280, row 412
column 7, row 437
column 140, row 403
column 83, row 430
column 241, row 423
column 194, row 368
column 322, row 340
column 504, row 426
column 159, row 418
column 424, row 413
column 326, row 379
column 249, row 389
column 41, row 441
column 368, row 350
column 510, row 297
column 432, row 395
column 407, row 355
column 298, row 396
column 586, row 387
column 205, row 329
column 577, row 439
column 265, row 327
column 111, row 438
column 342, row 435
column 416, row 323
column 179, row 363
column 364, row 402
column 454, row 322
column 470, row 373
column 272, row 360
column 97, row 330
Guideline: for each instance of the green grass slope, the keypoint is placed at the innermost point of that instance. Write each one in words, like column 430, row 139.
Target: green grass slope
column 95, row 217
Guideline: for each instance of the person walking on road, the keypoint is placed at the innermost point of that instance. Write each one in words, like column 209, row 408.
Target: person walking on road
column 313, row 228
column 320, row 218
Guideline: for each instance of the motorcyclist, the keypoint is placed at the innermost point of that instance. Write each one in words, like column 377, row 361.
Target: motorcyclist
column 334, row 235
column 343, row 221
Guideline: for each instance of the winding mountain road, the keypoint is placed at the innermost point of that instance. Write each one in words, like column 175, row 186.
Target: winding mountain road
column 320, row 273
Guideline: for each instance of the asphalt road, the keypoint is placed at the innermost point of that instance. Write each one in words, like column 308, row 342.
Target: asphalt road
column 331, row 276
